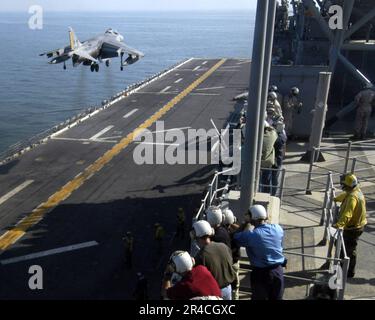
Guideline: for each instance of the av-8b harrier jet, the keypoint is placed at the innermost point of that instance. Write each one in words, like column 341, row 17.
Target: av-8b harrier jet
column 94, row 51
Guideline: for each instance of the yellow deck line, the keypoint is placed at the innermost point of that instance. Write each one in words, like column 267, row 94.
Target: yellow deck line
column 11, row 236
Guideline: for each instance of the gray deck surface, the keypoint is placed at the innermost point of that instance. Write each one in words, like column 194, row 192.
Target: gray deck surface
column 122, row 196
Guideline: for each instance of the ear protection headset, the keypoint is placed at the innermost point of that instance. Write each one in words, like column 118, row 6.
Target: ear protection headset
column 181, row 262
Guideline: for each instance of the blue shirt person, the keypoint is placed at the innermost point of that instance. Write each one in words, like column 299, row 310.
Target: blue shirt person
column 263, row 245
column 264, row 249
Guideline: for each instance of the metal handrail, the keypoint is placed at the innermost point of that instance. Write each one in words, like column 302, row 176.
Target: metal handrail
column 364, row 155
column 333, row 154
column 327, row 218
column 326, row 169
column 352, row 143
column 363, row 169
column 212, row 192
column 365, row 162
column 349, row 148
column 318, row 182
column 364, row 142
column 311, row 256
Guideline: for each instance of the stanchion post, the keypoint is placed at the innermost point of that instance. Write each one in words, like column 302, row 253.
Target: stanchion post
column 353, row 165
column 283, row 172
column 312, row 159
column 347, row 157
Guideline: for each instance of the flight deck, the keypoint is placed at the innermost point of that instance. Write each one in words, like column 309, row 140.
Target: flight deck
column 66, row 204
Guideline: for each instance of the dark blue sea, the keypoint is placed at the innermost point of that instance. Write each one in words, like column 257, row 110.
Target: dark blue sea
column 35, row 96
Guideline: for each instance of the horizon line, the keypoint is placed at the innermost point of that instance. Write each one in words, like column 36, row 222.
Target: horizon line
column 134, row 10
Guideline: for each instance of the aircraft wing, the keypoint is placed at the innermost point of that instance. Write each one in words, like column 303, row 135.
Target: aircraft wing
column 56, row 53
column 112, row 48
column 83, row 54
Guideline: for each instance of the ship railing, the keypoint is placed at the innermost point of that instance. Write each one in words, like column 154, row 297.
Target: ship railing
column 343, row 163
column 338, row 263
column 22, row 146
column 213, row 193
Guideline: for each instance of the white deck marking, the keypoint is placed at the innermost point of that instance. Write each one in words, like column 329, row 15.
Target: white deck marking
column 196, row 68
column 86, row 141
column 165, row 89
column 173, row 129
column 212, row 88
column 204, row 63
column 243, row 62
column 204, row 94
column 179, row 80
column 158, row 93
column 130, row 113
column 42, row 254
column 190, row 70
column 159, row 144
column 99, row 134
column 13, row 192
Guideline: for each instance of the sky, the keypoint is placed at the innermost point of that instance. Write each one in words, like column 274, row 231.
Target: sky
column 127, row 5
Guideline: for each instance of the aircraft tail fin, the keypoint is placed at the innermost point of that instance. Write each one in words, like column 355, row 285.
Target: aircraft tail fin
column 74, row 42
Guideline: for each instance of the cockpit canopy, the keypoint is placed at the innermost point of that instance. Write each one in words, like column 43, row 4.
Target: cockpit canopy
column 112, row 31
column 115, row 33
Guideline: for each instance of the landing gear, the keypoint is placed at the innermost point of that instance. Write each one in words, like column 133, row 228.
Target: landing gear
column 107, row 63
column 122, row 63
column 94, row 67
column 64, row 66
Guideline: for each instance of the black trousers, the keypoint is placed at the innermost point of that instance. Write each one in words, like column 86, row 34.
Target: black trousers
column 267, row 284
column 351, row 242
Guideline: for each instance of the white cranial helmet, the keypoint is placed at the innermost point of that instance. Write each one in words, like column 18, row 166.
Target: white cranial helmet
column 272, row 95
column 214, row 216
column 202, row 228
column 295, row 91
column 229, row 217
column 279, row 126
column 273, row 88
column 258, row 212
column 182, row 261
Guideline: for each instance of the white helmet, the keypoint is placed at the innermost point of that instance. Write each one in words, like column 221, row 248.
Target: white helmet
column 295, row 91
column 203, row 228
column 279, row 126
column 214, row 216
column 272, row 95
column 273, row 88
column 229, row 217
column 258, row 212
column 182, row 261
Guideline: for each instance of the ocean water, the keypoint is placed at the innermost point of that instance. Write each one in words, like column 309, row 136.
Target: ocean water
column 35, row 96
